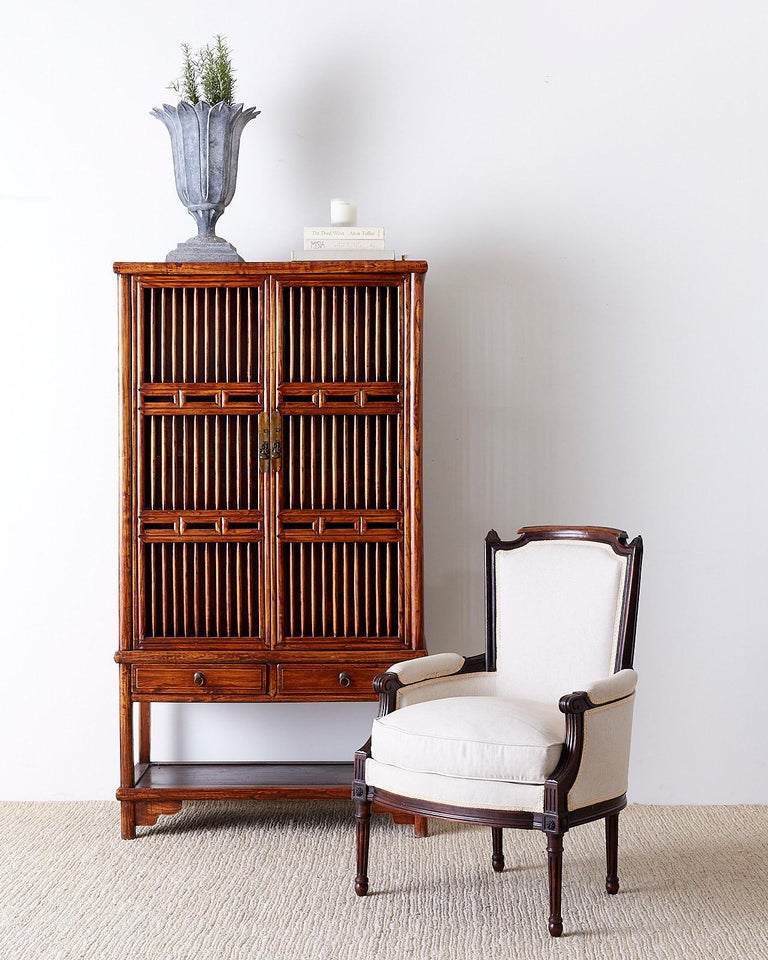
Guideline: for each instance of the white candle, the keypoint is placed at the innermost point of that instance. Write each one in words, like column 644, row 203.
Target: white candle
column 343, row 213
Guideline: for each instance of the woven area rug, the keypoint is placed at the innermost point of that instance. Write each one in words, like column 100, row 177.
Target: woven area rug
column 231, row 881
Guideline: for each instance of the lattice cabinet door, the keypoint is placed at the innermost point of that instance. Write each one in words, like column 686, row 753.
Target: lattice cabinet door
column 343, row 504
column 199, row 497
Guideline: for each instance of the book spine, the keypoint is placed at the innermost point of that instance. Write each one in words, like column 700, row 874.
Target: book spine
column 343, row 233
column 340, row 244
column 342, row 254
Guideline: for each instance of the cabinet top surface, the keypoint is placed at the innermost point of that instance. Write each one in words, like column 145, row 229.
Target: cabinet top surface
column 314, row 268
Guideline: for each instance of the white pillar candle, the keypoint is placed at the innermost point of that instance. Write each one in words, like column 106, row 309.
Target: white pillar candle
column 343, row 213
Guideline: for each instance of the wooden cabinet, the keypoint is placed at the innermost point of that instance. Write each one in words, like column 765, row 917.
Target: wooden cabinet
column 270, row 503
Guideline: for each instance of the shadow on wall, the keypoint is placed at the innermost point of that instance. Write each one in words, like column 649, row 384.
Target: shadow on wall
column 510, row 411
column 324, row 140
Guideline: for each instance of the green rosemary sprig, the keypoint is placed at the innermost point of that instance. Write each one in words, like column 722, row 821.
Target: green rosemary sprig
column 206, row 75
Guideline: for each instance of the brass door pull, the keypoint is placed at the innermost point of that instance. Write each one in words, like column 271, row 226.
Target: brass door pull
column 199, row 679
column 276, row 438
column 264, row 441
column 344, row 679
column 270, row 441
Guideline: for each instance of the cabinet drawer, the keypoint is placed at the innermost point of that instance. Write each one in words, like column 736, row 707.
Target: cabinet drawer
column 200, row 681
column 324, row 681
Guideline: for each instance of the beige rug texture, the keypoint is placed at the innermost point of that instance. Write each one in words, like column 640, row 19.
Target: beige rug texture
column 230, row 881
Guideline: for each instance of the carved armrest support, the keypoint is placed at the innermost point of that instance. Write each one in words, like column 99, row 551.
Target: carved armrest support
column 387, row 685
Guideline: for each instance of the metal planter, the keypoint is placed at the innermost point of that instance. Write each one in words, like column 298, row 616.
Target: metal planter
column 205, row 140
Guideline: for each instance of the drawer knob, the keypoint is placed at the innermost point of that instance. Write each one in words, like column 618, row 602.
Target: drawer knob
column 199, row 679
column 345, row 679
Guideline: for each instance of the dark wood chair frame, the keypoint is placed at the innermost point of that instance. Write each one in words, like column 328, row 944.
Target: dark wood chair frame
column 555, row 819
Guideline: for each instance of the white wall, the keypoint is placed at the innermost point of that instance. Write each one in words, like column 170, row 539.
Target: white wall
column 588, row 183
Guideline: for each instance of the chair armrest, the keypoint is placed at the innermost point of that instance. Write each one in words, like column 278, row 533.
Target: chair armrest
column 427, row 668
column 598, row 727
column 409, row 674
column 599, row 692
column 620, row 685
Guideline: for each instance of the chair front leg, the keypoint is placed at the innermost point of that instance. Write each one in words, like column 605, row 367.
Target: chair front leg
column 555, row 860
column 497, row 860
column 612, row 852
column 363, row 833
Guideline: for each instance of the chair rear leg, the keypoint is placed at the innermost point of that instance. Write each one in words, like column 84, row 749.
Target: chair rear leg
column 555, row 862
column 363, row 834
column 497, row 860
column 612, row 852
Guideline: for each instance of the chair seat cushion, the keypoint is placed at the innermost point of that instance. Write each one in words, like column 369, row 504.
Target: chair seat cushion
column 482, row 738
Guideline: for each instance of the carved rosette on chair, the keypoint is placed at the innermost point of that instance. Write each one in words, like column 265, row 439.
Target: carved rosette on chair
column 205, row 140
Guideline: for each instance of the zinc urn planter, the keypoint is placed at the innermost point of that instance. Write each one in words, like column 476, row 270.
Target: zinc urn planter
column 205, row 140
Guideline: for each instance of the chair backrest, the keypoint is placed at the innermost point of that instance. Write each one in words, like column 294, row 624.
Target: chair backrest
column 561, row 608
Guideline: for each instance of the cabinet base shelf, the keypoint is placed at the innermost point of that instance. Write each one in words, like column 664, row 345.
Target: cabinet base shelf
column 161, row 788
column 240, row 781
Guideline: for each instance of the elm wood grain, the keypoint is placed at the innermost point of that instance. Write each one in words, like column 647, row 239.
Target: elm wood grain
column 318, row 680
column 345, row 271
column 203, row 781
column 241, row 654
column 148, row 811
column 145, row 730
column 555, row 819
column 174, row 482
column 270, row 485
column 420, row 824
column 202, row 678
column 162, row 787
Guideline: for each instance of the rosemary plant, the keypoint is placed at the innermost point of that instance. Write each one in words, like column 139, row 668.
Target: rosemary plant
column 206, row 75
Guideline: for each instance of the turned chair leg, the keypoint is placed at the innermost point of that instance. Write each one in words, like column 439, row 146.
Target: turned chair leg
column 612, row 852
column 363, row 833
column 497, row 860
column 555, row 860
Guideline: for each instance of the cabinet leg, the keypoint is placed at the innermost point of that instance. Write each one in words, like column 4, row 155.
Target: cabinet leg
column 127, row 820
column 420, row 824
column 145, row 726
column 420, row 827
column 127, row 807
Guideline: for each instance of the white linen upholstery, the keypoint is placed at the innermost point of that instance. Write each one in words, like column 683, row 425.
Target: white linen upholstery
column 604, row 767
column 427, row 668
column 616, row 687
column 455, row 791
column 459, row 685
column 478, row 738
column 558, row 607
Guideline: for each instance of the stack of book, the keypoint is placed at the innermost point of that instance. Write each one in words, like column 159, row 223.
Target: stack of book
column 343, row 243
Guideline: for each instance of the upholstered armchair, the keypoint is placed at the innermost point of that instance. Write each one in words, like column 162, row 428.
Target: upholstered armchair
column 535, row 733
